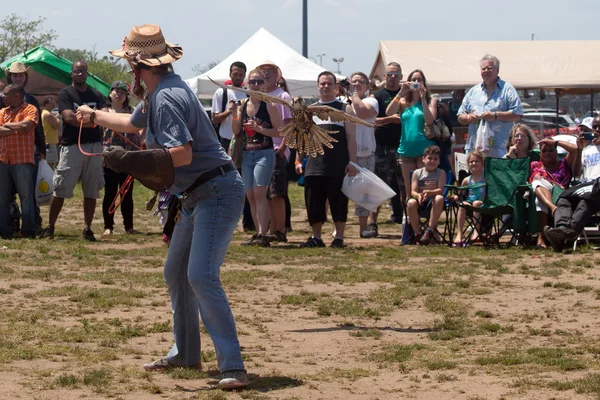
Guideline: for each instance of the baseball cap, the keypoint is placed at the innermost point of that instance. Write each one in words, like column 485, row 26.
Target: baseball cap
column 119, row 85
column 587, row 122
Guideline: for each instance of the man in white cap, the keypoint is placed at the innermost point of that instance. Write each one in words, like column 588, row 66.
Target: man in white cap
column 184, row 157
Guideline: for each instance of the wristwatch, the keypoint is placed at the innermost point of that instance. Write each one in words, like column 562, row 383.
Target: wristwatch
column 495, row 115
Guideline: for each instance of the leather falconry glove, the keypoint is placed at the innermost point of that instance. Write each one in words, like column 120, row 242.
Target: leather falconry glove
column 153, row 168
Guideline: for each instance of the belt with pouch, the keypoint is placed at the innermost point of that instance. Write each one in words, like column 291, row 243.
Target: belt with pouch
column 207, row 176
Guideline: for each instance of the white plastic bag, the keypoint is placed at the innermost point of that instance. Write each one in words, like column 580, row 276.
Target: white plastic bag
column 366, row 189
column 44, row 186
column 485, row 137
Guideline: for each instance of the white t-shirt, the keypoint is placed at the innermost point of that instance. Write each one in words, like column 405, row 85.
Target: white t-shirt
column 365, row 136
column 590, row 160
column 285, row 113
column 225, row 131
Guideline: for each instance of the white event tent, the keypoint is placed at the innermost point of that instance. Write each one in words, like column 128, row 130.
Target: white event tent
column 299, row 72
column 572, row 66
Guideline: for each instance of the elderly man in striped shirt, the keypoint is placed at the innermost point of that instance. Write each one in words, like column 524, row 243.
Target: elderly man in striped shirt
column 17, row 165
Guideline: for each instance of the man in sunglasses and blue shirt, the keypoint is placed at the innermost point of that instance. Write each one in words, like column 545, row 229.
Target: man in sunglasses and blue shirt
column 387, row 140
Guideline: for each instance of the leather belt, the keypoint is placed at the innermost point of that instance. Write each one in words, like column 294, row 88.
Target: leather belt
column 207, row 176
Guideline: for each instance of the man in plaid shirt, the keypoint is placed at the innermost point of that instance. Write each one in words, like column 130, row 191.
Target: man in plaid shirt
column 17, row 164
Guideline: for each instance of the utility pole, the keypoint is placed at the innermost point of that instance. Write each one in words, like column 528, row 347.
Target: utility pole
column 305, row 28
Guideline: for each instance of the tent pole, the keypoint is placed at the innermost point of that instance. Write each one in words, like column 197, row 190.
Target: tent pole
column 557, row 105
column 305, row 28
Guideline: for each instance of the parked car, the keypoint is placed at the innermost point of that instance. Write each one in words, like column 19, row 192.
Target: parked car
column 544, row 123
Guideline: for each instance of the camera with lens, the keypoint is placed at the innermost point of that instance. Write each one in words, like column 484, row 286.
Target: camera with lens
column 413, row 85
column 237, row 102
column 345, row 83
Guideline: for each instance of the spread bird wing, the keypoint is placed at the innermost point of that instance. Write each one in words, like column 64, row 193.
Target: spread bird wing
column 325, row 112
column 255, row 93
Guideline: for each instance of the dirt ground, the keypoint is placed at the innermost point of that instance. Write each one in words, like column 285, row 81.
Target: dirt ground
column 372, row 321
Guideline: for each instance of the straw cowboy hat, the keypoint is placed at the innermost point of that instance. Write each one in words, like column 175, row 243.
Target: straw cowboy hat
column 270, row 64
column 146, row 44
column 17, row 68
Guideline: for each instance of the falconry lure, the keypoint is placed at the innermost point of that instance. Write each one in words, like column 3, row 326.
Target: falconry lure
column 302, row 133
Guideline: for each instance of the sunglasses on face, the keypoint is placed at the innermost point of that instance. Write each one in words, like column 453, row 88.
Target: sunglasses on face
column 256, row 81
column 79, row 72
column 393, row 74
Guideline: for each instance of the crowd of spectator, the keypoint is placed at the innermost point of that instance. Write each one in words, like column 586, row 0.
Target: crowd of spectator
column 398, row 150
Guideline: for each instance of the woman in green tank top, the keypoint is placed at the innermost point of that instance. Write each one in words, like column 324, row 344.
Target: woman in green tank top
column 416, row 108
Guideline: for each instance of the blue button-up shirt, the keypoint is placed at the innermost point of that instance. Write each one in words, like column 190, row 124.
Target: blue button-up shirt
column 504, row 98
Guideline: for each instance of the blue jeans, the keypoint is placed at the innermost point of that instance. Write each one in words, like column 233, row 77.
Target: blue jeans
column 209, row 216
column 21, row 176
column 257, row 167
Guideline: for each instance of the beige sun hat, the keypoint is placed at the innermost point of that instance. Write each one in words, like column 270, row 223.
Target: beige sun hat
column 17, row 68
column 146, row 44
column 270, row 64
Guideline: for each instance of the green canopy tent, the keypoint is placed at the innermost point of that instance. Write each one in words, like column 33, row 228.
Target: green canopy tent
column 49, row 73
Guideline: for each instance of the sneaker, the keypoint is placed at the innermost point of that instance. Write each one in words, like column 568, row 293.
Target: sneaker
column 556, row 237
column 233, row 379
column 250, row 241
column 132, row 231
column 261, row 241
column 571, row 235
column 427, row 237
column 371, row 231
column 281, row 237
column 337, row 243
column 313, row 242
column 48, row 233
column 89, row 235
column 107, row 232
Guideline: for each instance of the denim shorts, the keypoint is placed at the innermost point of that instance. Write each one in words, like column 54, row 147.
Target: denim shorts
column 257, row 167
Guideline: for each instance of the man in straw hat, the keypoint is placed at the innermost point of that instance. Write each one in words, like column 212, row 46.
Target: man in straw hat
column 18, row 74
column 181, row 139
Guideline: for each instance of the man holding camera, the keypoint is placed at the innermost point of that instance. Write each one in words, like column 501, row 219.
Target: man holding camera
column 387, row 139
column 224, row 103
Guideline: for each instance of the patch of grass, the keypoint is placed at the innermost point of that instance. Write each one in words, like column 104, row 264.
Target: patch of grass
column 330, row 374
column 186, row 373
column 484, row 314
column 371, row 332
column 396, row 353
column 97, row 298
column 435, row 365
column 556, row 358
column 67, row 380
column 99, row 379
column 301, row 299
column 587, row 384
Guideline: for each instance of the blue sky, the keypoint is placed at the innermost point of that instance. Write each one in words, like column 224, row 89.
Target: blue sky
column 352, row 29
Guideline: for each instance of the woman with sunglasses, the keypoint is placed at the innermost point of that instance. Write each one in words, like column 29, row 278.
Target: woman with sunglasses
column 281, row 83
column 416, row 108
column 257, row 122
column 521, row 142
column 118, row 98
column 550, row 172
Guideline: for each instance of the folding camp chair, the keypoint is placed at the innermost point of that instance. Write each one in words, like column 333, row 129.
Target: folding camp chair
column 507, row 194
